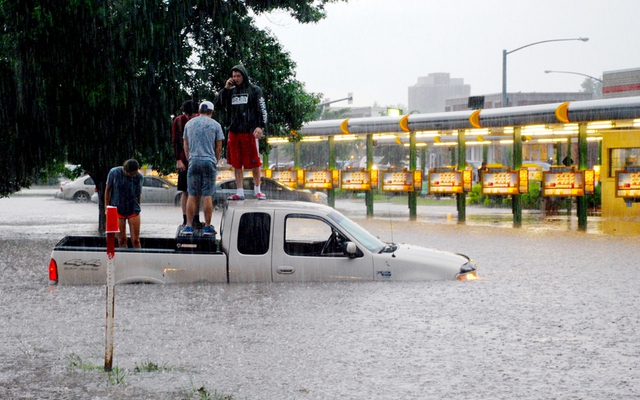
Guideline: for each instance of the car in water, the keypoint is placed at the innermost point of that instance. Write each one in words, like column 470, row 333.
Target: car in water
column 156, row 190
column 79, row 190
column 273, row 189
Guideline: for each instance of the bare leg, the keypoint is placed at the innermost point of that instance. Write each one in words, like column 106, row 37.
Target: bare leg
column 122, row 233
column 256, row 176
column 196, row 211
column 134, row 229
column 191, row 209
column 239, row 176
column 183, row 202
column 208, row 210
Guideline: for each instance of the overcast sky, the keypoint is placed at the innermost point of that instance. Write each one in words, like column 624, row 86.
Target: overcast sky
column 376, row 49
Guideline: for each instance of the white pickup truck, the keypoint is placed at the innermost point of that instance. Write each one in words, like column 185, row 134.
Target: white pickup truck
column 266, row 241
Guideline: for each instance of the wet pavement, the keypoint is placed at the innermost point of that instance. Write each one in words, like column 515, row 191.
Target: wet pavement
column 553, row 315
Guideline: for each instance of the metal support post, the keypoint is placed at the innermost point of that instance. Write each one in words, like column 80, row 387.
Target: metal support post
column 462, row 164
column 516, row 199
column 505, row 101
column 581, row 208
column 412, row 167
column 369, row 193
column 296, row 156
column 569, row 201
column 331, row 193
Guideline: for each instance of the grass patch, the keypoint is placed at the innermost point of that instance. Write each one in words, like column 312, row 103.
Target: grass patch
column 202, row 393
column 117, row 375
column 150, row 366
column 76, row 362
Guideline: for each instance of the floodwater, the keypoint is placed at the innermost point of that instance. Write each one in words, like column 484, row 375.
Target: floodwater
column 553, row 315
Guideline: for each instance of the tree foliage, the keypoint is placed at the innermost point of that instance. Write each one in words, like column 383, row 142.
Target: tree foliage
column 95, row 82
column 590, row 85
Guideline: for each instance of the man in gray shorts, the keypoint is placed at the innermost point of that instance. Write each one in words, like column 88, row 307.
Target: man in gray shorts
column 202, row 145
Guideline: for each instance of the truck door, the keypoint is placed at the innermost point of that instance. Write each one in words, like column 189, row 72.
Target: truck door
column 250, row 247
column 309, row 248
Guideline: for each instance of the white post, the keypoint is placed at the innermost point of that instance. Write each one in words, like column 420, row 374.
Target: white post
column 112, row 229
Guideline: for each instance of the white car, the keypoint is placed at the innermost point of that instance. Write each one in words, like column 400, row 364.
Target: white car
column 79, row 190
column 155, row 190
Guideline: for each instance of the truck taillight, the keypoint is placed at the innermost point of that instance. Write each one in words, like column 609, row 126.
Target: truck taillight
column 53, row 271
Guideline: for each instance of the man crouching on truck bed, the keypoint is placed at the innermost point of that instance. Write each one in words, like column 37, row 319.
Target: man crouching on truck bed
column 124, row 187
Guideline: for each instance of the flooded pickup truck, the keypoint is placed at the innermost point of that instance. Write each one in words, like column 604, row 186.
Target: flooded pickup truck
column 266, row 241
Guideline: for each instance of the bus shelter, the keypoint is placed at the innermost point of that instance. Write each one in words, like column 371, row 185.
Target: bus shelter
column 569, row 122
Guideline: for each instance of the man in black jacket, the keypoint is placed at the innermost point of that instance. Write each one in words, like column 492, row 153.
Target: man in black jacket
column 247, row 120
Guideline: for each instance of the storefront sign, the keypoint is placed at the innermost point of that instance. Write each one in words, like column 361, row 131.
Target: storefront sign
column 627, row 184
column 523, row 181
column 401, row 181
column 356, row 180
column 446, row 182
column 286, row 177
column 563, row 183
column 318, row 180
column 224, row 174
column 500, row 182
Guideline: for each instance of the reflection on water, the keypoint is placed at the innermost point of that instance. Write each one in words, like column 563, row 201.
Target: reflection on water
column 501, row 218
column 554, row 314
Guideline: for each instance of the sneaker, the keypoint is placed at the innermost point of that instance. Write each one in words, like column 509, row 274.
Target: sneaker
column 187, row 231
column 208, row 230
column 235, row 197
column 261, row 196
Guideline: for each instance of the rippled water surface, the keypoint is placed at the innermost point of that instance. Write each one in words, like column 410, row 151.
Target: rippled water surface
column 554, row 315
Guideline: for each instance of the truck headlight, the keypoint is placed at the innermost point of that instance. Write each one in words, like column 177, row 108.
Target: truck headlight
column 467, row 271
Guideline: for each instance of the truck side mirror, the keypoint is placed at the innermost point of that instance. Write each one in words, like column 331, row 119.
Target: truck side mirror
column 351, row 249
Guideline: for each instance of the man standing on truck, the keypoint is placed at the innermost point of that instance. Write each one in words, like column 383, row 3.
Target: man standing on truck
column 189, row 110
column 124, row 188
column 247, row 119
column 203, row 138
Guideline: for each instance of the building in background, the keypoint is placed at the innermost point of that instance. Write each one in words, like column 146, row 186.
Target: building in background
column 515, row 99
column 621, row 83
column 338, row 112
column 431, row 92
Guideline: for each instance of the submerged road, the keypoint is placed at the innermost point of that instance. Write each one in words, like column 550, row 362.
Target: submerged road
column 553, row 315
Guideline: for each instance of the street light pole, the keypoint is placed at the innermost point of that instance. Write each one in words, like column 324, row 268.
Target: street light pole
column 505, row 53
column 574, row 73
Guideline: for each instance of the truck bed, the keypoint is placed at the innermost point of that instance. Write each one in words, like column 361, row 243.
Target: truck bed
column 195, row 244
column 183, row 259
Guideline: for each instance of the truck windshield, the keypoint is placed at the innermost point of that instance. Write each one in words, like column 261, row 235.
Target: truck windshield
column 360, row 234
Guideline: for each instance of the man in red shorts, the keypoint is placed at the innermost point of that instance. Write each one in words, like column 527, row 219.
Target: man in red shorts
column 246, row 114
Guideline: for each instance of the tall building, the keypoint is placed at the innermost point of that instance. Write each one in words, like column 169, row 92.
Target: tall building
column 431, row 92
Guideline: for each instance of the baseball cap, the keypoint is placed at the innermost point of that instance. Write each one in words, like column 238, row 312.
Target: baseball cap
column 206, row 106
